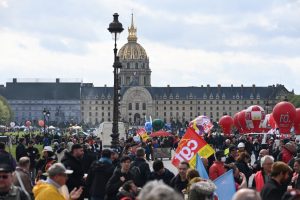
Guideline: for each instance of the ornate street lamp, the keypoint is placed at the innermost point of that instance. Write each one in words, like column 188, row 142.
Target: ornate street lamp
column 46, row 113
column 115, row 28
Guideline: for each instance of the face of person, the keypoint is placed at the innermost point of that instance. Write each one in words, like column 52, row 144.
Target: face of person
column 125, row 165
column 134, row 188
column 61, row 179
column 297, row 167
column 267, row 166
column 45, row 154
column 114, row 156
column 182, row 169
column 78, row 153
column 6, row 180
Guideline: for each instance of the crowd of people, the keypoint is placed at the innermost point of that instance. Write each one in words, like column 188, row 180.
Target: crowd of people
column 81, row 168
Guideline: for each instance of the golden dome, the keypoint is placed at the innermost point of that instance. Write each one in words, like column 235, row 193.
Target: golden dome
column 132, row 49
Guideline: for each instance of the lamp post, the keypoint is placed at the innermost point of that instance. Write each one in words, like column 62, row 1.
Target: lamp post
column 115, row 28
column 46, row 113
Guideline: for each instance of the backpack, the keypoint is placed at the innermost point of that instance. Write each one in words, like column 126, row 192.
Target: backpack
column 137, row 175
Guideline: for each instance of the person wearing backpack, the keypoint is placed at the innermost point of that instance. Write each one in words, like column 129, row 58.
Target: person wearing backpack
column 99, row 174
column 140, row 168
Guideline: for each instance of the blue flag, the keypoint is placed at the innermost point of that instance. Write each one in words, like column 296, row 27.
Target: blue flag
column 200, row 167
column 225, row 186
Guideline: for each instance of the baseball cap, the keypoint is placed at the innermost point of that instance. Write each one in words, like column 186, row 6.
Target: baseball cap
column 58, row 168
column 48, row 148
column 241, row 145
column 6, row 168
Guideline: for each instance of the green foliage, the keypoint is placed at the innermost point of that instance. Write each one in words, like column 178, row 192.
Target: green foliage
column 6, row 113
column 294, row 99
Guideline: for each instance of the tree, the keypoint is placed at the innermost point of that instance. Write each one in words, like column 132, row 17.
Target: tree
column 294, row 99
column 6, row 113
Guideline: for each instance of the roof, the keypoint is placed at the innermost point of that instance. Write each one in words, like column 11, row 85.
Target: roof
column 42, row 91
column 242, row 92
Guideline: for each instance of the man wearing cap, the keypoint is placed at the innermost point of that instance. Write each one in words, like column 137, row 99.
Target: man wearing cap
column 217, row 168
column 73, row 161
column 45, row 162
column 51, row 188
column 7, row 190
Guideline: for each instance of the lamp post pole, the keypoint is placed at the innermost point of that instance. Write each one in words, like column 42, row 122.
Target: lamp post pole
column 115, row 28
column 44, row 114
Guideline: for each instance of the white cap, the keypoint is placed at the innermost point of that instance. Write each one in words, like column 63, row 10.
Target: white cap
column 48, row 148
column 241, row 145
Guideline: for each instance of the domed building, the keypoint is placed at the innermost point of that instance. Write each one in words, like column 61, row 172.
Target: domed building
column 172, row 104
column 135, row 62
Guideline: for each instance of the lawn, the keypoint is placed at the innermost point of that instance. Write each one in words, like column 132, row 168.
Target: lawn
column 12, row 150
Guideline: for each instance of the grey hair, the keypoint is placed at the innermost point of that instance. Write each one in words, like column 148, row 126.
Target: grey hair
column 263, row 159
column 246, row 194
column 157, row 190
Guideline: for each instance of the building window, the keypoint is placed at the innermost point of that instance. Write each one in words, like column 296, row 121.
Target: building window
column 137, row 106
column 102, row 108
column 165, row 114
column 211, row 108
column 191, row 108
column 191, row 114
column 96, row 108
column 128, row 65
column 96, row 114
column 90, row 114
column 177, row 108
column 171, row 108
column 204, row 108
column 102, row 114
column 217, row 108
column 183, row 108
column 144, row 106
column 165, row 108
column 136, row 65
column 108, row 108
column 108, row 114
column 130, row 106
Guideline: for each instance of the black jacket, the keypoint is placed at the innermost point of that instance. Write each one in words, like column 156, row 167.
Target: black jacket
column 144, row 168
column 166, row 176
column 177, row 184
column 76, row 178
column 98, row 176
column 20, row 151
column 114, row 183
column 244, row 168
column 272, row 190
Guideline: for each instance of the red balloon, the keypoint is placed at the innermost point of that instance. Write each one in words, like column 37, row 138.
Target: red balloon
column 226, row 123
column 41, row 123
column 236, row 122
column 272, row 121
column 242, row 121
column 297, row 122
column 284, row 114
column 28, row 123
column 255, row 115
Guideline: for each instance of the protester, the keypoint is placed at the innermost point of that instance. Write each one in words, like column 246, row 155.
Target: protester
column 50, row 189
column 21, row 149
column 287, row 152
column 257, row 165
column 99, row 174
column 296, row 178
column 129, row 190
column 115, row 157
column 243, row 163
column 217, row 168
column 72, row 161
column 6, row 157
column 22, row 175
column 119, row 177
column 7, row 189
column 61, row 151
column 202, row 190
column 33, row 153
column 275, row 187
column 157, row 190
column 246, row 194
column 140, row 168
column 180, row 181
column 261, row 177
column 232, row 155
column 161, row 173
column 45, row 162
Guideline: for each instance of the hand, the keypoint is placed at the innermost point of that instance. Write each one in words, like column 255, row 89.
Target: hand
column 122, row 178
column 75, row 193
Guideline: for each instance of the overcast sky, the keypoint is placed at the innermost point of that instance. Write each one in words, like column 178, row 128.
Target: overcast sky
column 189, row 42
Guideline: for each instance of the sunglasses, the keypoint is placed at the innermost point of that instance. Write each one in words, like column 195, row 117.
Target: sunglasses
column 3, row 176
